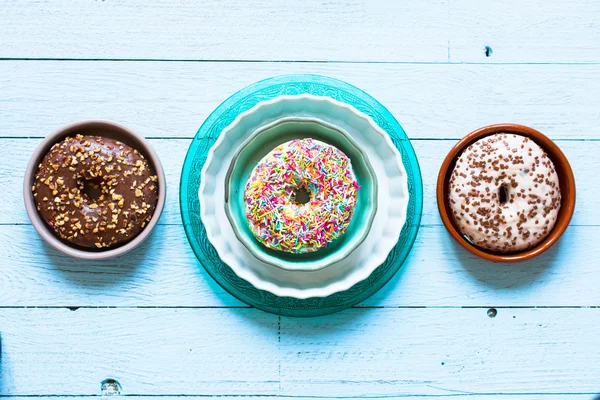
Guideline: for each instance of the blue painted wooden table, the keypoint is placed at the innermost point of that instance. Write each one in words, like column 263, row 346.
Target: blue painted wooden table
column 447, row 325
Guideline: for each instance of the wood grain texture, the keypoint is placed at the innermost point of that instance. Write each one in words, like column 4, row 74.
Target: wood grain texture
column 494, row 396
column 247, row 352
column 164, row 99
column 237, row 30
column 525, row 31
column 147, row 351
column 380, row 31
column 430, row 153
column 164, row 272
column 454, row 351
column 175, row 334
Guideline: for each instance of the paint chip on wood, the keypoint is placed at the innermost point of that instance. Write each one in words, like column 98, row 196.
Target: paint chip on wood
column 110, row 387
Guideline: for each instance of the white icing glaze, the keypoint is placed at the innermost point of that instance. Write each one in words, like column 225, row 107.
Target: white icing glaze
column 519, row 165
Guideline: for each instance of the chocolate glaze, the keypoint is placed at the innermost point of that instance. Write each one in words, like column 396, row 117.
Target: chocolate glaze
column 125, row 205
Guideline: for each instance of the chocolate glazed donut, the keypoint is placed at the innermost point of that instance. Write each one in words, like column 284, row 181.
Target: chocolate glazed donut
column 127, row 199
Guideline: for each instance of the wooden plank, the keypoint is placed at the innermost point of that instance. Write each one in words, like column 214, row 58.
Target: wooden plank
column 391, row 352
column 438, row 272
column 525, row 31
column 210, row 30
column 148, row 351
column 164, row 272
column 161, row 99
column 495, row 396
column 441, row 352
column 400, row 31
column 431, row 153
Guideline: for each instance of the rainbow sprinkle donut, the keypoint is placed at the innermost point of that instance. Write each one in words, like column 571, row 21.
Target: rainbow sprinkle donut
column 282, row 222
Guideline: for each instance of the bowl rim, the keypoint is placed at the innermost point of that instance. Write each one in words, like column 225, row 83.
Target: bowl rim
column 40, row 225
column 568, row 192
column 373, row 195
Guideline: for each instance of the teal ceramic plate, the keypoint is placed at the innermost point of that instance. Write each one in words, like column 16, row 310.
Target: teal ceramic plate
column 222, row 117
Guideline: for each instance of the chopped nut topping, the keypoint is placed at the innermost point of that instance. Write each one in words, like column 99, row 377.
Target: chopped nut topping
column 79, row 159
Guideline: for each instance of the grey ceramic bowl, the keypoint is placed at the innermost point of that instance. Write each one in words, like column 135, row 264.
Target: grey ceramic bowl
column 100, row 128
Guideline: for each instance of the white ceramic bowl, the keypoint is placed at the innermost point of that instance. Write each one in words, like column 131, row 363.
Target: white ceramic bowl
column 392, row 199
column 258, row 145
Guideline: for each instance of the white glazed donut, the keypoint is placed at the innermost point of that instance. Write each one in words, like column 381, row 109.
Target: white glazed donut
column 504, row 193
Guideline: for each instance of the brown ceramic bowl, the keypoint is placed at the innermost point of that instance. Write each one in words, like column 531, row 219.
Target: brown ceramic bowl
column 565, row 177
column 100, row 128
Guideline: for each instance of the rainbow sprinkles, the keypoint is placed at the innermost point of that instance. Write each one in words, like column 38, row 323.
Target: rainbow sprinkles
column 277, row 219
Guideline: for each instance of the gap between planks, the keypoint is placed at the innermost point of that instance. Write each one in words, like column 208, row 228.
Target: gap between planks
column 506, row 307
column 359, row 62
column 495, row 396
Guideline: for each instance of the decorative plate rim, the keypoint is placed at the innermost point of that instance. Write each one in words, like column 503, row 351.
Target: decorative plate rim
column 222, row 116
column 370, row 258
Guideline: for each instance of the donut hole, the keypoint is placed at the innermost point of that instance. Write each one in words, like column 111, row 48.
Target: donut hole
column 92, row 189
column 503, row 194
column 301, row 196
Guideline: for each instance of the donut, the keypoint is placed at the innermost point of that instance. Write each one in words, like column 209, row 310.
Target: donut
column 276, row 215
column 127, row 191
column 504, row 193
